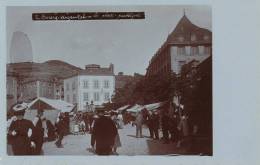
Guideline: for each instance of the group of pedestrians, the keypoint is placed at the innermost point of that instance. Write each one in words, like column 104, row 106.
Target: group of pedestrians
column 174, row 127
column 26, row 137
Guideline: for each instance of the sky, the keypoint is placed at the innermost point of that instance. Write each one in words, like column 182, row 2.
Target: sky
column 128, row 44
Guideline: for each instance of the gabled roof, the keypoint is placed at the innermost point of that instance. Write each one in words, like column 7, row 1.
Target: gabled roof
column 61, row 105
column 185, row 29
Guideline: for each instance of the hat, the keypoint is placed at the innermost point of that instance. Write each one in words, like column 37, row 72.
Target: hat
column 19, row 113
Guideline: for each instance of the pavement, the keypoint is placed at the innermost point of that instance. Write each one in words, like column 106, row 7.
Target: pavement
column 80, row 145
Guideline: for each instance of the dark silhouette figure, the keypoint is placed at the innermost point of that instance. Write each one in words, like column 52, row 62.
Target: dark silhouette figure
column 103, row 135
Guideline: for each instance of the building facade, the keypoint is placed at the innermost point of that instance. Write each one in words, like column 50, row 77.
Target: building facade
column 187, row 42
column 11, row 89
column 29, row 89
column 93, row 85
column 122, row 80
column 28, row 80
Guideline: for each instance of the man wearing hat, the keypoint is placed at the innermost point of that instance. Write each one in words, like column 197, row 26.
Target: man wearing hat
column 103, row 135
column 21, row 132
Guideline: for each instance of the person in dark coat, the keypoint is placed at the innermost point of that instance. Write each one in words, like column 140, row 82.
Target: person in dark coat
column 86, row 120
column 21, row 132
column 173, row 128
column 51, row 131
column 103, row 135
column 149, row 123
column 165, row 120
column 61, row 130
column 155, row 123
column 38, row 135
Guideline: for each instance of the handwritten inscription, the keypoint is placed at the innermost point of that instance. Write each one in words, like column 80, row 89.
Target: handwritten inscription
column 87, row 16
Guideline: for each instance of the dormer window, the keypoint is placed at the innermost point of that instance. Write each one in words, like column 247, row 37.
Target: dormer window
column 181, row 38
column 206, row 37
column 193, row 37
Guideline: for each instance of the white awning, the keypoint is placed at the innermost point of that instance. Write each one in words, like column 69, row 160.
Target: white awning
column 61, row 105
column 154, row 106
column 135, row 108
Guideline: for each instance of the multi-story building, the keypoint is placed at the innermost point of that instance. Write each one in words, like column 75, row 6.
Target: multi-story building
column 11, row 89
column 33, row 87
column 93, row 85
column 187, row 42
column 28, row 80
column 122, row 80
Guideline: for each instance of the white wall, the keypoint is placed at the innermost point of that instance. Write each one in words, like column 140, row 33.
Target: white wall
column 187, row 57
column 79, row 89
column 71, row 91
column 91, row 90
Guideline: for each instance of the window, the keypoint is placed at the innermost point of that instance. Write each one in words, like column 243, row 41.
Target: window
column 193, row 37
column 96, row 96
column 207, row 50
column 106, row 84
column 67, row 86
column 49, row 91
column 206, row 37
column 96, row 85
column 181, row 38
column 73, row 85
column 194, row 50
column 74, row 98
column 85, row 96
column 181, row 50
column 68, row 98
column 106, row 96
column 85, row 84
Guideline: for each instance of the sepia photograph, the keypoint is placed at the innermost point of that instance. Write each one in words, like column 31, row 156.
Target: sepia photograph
column 109, row 80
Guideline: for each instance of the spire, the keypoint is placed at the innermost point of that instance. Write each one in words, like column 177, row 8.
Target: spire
column 184, row 12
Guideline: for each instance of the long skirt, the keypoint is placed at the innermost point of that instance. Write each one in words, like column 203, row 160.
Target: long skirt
column 117, row 141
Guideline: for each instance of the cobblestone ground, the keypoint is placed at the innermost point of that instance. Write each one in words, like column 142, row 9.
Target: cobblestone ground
column 79, row 145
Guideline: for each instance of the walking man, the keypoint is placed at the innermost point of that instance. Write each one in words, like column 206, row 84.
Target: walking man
column 103, row 135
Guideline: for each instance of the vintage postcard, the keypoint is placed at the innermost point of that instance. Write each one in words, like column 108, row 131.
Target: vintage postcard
column 109, row 80
column 120, row 82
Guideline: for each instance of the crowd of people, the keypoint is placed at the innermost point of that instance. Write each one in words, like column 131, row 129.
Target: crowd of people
column 27, row 137
column 174, row 127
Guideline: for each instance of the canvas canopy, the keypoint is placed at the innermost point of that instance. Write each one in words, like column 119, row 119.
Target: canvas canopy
column 136, row 108
column 154, row 106
column 150, row 107
column 123, row 108
column 50, row 107
column 61, row 105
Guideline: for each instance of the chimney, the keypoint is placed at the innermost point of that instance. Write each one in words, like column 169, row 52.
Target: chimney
column 120, row 73
column 92, row 66
column 111, row 67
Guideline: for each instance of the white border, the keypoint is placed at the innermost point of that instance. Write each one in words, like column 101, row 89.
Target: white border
column 235, row 86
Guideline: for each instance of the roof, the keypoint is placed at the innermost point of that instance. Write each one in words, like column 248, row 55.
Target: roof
column 135, row 108
column 97, row 71
column 123, row 108
column 149, row 107
column 154, row 106
column 61, row 105
column 186, row 32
